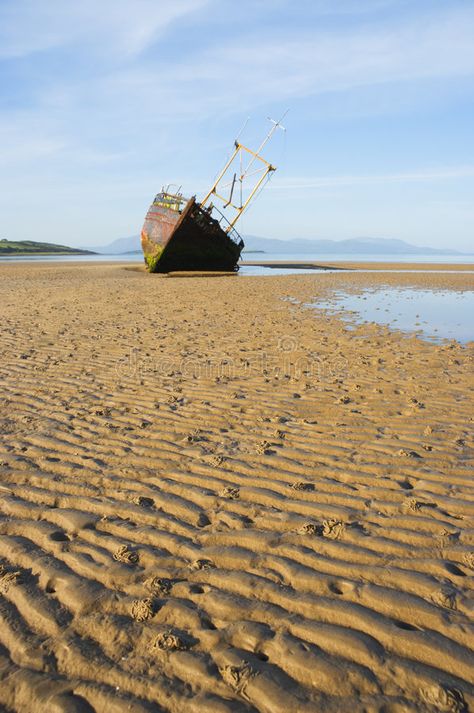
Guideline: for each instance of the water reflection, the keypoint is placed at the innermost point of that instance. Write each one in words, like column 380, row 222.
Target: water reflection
column 434, row 314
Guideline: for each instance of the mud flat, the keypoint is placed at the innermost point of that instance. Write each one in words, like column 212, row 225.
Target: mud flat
column 213, row 498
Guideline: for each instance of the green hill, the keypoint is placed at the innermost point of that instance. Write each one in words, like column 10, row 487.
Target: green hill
column 31, row 247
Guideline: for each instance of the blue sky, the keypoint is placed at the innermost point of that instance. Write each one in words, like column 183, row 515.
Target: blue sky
column 103, row 102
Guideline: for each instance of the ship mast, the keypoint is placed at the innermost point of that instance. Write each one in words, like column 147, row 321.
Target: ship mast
column 235, row 168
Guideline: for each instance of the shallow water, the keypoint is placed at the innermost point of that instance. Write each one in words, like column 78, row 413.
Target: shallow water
column 434, row 314
column 262, row 270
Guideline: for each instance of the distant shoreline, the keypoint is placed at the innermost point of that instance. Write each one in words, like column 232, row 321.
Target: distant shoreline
column 33, row 252
column 34, row 247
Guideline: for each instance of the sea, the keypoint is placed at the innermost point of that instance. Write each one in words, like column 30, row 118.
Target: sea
column 260, row 257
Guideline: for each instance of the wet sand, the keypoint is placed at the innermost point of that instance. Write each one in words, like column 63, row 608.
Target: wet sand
column 215, row 499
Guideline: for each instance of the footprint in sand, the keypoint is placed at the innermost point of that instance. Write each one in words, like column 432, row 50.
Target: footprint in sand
column 444, row 700
column 215, row 461
column 310, row 528
column 263, row 448
column 446, row 537
column 7, row 579
column 159, row 585
column 237, row 677
column 169, row 641
column 106, row 412
column 142, row 609
column 301, row 485
column 333, row 529
column 344, row 400
column 143, row 501
column 445, row 597
column 123, row 554
column 468, row 559
column 202, row 564
column 410, row 505
column 404, row 453
column 230, row 493
column 416, row 404
column 195, row 436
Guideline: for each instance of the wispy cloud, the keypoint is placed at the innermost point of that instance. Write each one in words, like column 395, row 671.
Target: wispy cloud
column 254, row 70
column 27, row 26
column 306, row 63
column 229, row 75
column 422, row 176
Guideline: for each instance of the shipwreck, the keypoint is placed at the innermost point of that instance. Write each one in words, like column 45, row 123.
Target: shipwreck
column 183, row 234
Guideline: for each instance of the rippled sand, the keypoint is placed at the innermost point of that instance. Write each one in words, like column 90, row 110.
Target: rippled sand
column 216, row 499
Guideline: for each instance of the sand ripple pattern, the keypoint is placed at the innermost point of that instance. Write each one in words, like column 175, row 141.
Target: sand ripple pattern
column 214, row 499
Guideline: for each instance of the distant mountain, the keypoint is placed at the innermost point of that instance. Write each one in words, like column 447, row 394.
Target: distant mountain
column 120, row 246
column 32, row 247
column 253, row 243
column 353, row 246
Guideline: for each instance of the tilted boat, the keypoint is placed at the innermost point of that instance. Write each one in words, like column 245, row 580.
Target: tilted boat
column 183, row 234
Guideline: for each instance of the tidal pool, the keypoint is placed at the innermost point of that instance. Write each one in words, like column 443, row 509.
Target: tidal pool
column 433, row 314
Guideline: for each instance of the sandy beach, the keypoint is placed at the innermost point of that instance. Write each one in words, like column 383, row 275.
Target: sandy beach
column 215, row 498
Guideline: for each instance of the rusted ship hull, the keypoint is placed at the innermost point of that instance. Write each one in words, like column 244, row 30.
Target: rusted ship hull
column 187, row 239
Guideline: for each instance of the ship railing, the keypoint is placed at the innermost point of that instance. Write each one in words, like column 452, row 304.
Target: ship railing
column 172, row 201
column 225, row 225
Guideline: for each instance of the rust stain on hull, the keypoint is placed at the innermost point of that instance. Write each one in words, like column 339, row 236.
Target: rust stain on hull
column 180, row 234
